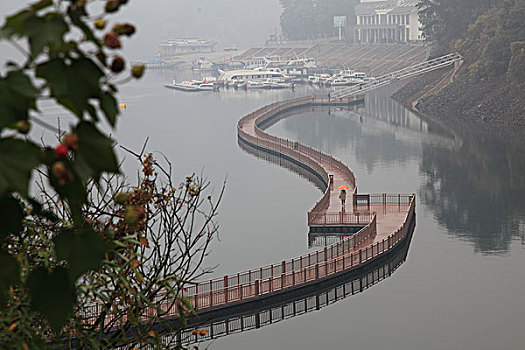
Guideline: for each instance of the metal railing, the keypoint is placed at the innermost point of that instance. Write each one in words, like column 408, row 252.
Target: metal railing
column 404, row 73
column 346, row 254
column 303, row 154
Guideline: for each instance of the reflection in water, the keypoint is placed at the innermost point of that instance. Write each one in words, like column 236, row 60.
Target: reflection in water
column 294, row 303
column 314, row 239
column 477, row 189
column 375, row 139
column 474, row 180
column 475, row 185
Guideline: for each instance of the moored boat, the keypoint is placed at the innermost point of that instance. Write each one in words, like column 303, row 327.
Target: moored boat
column 192, row 85
column 277, row 84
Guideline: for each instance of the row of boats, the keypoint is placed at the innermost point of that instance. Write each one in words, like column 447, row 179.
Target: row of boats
column 211, row 84
column 269, row 78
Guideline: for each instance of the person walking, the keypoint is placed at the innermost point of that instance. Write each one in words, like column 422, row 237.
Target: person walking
column 342, row 197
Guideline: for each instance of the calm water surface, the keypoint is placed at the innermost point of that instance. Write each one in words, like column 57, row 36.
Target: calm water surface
column 462, row 284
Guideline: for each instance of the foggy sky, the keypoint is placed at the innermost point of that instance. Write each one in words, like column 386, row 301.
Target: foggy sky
column 229, row 22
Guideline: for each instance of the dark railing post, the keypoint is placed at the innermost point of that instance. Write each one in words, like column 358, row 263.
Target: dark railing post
column 283, row 272
column 195, row 299
column 226, row 289
column 360, row 256
column 211, row 293
column 256, row 288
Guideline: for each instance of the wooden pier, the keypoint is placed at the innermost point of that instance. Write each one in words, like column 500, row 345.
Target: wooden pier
column 374, row 224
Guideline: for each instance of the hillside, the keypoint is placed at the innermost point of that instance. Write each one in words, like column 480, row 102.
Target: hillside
column 490, row 85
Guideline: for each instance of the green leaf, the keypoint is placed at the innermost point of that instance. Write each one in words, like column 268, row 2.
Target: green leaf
column 41, row 31
column 108, row 104
column 13, row 216
column 9, row 275
column 52, row 294
column 42, row 4
column 17, row 160
column 45, row 31
column 76, row 14
column 72, row 84
column 14, row 23
column 17, row 97
column 95, row 153
column 84, row 251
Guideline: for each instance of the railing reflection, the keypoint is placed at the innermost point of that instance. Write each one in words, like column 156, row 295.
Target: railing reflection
column 296, row 303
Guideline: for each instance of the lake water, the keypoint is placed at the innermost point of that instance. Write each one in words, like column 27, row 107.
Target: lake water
column 462, row 284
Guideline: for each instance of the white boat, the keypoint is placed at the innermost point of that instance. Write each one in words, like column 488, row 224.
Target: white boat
column 273, row 83
column 257, row 74
column 341, row 82
column 305, row 62
column 231, row 48
column 346, row 77
column 207, row 87
column 318, row 78
column 192, row 85
column 254, row 84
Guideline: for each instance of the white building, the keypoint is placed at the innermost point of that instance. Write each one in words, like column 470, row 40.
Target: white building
column 387, row 21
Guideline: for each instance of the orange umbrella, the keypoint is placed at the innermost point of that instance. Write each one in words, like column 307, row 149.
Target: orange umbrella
column 343, row 187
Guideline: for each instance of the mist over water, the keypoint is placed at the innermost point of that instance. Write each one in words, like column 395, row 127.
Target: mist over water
column 462, row 284
column 229, row 22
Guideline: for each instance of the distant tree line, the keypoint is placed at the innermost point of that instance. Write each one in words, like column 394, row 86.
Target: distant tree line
column 490, row 34
column 310, row 19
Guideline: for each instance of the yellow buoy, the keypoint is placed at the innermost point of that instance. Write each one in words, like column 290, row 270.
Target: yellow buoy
column 122, row 106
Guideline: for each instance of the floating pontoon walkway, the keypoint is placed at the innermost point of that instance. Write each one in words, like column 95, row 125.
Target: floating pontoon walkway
column 374, row 226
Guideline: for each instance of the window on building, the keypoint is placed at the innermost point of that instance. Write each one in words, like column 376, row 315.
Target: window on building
column 402, row 19
column 408, row 34
column 408, row 20
column 383, row 19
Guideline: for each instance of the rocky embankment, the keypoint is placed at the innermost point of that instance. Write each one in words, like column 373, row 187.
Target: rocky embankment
column 440, row 95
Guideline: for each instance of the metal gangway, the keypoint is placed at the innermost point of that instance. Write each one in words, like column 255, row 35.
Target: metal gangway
column 408, row 72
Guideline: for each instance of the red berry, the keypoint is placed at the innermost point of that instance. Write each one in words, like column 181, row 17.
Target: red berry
column 118, row 64
column 61, row 151
column 111, row 6
column 112, row 40
column 71, row 142
column 124, row 29
column 62, row 173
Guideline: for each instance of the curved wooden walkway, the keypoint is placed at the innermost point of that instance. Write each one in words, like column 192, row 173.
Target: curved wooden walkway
column 376, row 223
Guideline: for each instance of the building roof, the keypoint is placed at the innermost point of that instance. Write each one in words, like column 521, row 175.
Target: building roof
column 369, row 8
column 394, row 7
